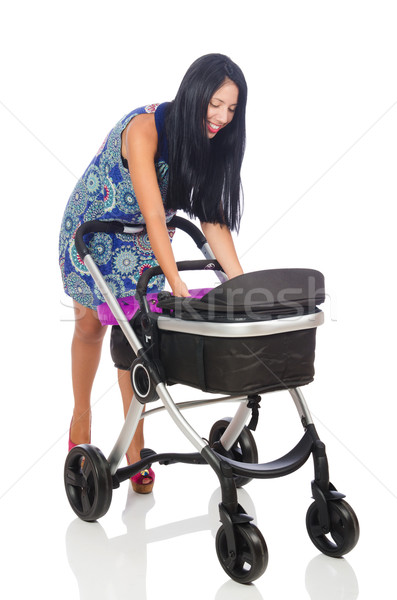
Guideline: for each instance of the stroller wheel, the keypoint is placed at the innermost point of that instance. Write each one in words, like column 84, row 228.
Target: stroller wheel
column 243, row 450
column 344, row 532
column 251, row 557
column 88, row 482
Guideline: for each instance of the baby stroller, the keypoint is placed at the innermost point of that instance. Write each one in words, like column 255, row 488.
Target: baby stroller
column 245, row 337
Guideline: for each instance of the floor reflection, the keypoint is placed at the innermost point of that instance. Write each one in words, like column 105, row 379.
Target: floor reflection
column 235, row 591
column 110, row 567
column 107, row 568
column 331, row 579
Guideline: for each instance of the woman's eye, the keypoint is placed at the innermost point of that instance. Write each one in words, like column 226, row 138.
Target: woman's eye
column 215, row 105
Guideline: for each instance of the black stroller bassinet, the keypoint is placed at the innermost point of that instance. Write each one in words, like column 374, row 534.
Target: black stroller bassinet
column 253, row 334
column 245, row 337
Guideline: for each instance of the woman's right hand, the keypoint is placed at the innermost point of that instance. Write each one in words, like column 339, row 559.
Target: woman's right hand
column 180, row 289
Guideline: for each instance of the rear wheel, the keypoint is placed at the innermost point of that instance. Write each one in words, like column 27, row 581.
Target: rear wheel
column 88, row 482
column 243, row 450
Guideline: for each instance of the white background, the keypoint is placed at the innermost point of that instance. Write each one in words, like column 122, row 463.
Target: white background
column 320, row 182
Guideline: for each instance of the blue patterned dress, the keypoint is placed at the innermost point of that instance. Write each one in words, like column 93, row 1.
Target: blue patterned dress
column 105, row 192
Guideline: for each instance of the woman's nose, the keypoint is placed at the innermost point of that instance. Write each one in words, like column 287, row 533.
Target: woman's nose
column 222, row 115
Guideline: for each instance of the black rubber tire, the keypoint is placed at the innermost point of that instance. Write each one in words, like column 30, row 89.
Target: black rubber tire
column 88, row 482
column 243, row 450
column 344, row 533
column 252, row 555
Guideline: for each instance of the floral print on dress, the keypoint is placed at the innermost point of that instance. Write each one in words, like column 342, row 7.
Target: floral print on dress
column 105, row 192
column 151, row 108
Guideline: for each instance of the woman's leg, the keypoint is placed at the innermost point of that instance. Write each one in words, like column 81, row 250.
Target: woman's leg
column 126, row 390
column 144, row 483
column 86, row 352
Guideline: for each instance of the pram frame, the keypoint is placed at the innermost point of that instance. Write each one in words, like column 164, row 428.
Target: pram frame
column 135, row 413
column 232, row 515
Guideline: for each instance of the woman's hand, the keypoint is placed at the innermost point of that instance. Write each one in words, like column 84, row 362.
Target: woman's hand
column 180, row 289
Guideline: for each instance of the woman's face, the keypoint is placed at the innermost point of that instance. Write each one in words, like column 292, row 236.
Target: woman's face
column 221, row 108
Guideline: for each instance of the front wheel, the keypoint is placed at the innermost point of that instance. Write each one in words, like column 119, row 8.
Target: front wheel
column 88, row 482
column 344, row 531
column 251, row 557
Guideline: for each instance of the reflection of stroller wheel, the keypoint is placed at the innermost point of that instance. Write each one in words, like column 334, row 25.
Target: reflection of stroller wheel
column 88, row 482
column 243, row 450
column 344, row 532
column 252, row 556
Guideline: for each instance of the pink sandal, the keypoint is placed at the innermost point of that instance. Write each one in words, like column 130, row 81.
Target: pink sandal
column 143, row 482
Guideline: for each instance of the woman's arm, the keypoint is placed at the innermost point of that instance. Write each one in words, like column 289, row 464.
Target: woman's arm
column 222, row 245
column 141, row 148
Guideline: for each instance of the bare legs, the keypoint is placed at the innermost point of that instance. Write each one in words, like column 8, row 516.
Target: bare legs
column 137, row 443
column 86, row 353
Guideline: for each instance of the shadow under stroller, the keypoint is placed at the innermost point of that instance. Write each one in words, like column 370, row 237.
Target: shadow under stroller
column 247, row 336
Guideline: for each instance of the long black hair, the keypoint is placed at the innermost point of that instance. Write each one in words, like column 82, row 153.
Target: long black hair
column 204, row 174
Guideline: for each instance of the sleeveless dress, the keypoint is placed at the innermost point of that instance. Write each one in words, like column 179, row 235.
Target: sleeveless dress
column 105, row 192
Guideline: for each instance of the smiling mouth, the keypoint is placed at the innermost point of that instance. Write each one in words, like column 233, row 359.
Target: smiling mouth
column 213, row 128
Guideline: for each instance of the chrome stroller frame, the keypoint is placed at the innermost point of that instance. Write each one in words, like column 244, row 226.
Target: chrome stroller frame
column 90, row 478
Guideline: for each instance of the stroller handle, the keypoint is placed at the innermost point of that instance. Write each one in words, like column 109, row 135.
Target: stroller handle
column 98, row 226
column 189, row 228
column 95, row 227
column 185, row 265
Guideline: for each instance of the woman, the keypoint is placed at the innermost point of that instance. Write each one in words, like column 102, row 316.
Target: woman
column 185, row 154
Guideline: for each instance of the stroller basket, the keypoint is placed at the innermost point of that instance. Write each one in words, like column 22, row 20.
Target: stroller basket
column 252, row 334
